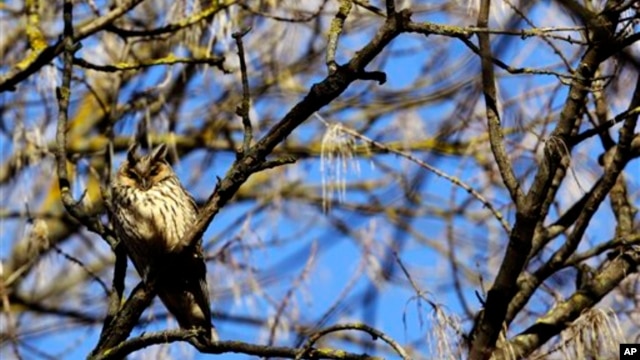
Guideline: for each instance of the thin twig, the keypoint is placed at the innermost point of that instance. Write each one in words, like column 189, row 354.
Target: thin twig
column 310, row 15
column 77, row 261
column 375, row 334
column 243, row 109
column 380, row 146
column 217, row 61
column 563, row 77
column 524, row 17
column 577, row 258
column 367, row 6
column 270, row 164
column 287, row 297
column 604, row 126
column 203, row 15
column 335, row 29
column 419, row 292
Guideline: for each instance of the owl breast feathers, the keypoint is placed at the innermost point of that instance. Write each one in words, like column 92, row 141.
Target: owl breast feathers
column 153, row 207
column 151, row 212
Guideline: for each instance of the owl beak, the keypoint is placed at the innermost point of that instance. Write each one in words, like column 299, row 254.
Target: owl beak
column 145, row 184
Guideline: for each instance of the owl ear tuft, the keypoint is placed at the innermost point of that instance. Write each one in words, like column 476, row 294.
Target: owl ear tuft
column 159, row 153
column 131, row 153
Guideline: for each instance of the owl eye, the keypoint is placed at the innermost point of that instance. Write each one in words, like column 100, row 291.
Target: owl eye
column 132, row 174
column 154, row 171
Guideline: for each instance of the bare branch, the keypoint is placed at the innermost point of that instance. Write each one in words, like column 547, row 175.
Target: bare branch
column 375, row 334
column 337, row 25
column 565, row 312
column 496, row 135
column 222, row 347
column 245, row 106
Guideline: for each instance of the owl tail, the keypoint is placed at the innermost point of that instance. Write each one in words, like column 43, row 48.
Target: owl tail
column 191, row 310
column 183, row 290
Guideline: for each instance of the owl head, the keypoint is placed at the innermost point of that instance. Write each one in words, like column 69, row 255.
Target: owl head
column 143, row 172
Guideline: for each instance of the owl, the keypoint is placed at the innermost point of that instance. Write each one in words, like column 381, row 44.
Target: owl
column 151, row 211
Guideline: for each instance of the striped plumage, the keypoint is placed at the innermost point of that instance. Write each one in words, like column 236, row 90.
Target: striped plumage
column 151, row 212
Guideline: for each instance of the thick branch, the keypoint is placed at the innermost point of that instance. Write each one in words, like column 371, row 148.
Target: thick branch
column 622, row 154
column 567, row 311
column 120, row 326
column 222, row 347
column 496, row 135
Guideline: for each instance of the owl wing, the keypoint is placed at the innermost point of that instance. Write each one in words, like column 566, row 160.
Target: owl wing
column 192, row 203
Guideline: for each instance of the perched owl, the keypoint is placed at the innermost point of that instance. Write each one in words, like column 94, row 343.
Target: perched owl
column 151, row 212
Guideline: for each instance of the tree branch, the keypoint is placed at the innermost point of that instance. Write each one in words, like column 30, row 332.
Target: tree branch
column 119, row 327
column 222, row 347
column 496, row 135
column 245, row 106
column 567, row 311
